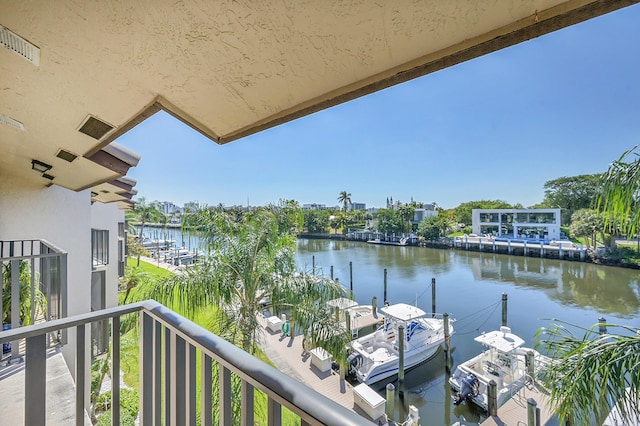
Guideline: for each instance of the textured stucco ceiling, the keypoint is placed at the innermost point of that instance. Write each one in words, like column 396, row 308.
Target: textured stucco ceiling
column 229, row 68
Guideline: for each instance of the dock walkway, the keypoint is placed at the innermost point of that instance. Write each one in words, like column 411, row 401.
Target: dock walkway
column 514, row 411
column 289, row 357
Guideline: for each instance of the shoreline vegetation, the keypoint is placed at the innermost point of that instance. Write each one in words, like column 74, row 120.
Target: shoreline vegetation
column 624, row 256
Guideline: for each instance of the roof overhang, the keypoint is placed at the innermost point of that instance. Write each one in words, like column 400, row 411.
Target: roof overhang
column 87, row 72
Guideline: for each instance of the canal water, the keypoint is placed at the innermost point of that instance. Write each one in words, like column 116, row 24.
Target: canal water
column 469, row 286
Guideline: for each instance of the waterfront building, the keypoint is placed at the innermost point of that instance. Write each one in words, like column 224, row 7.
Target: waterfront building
column 539, row 224
column 314, row 206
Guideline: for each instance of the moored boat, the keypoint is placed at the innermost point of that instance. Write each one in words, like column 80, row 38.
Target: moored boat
column 505, row 361
column 376, row 356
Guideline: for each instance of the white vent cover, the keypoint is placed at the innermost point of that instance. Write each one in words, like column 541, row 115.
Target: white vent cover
column 19, row 46
column 11, row 122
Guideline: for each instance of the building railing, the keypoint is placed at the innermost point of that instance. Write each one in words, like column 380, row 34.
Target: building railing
column 172, row 350
column 34, row 287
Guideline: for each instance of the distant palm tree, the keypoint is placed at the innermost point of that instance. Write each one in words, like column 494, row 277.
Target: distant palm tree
column 345, row 199
column 406, row 212
column 147, row 213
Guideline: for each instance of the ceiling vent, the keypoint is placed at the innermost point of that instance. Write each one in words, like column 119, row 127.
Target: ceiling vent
column 95, row 128
column 66, row 155
column 19, row 46
column 104, row 191
column 11, row 122
column 48, row 176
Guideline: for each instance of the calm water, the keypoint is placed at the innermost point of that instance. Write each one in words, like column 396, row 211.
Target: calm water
column 469, row 286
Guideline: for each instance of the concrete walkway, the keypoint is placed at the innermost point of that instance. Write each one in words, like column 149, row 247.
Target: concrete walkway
column 61, row 392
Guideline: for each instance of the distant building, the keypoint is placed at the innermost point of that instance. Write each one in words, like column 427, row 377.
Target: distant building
column 517, row 223
column 314, row 206
column 421, row 214
column 358, row 206
column 169, row 208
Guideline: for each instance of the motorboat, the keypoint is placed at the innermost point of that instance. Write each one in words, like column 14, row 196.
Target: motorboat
column 505, row 361
column 376, row 356
column 404, row 241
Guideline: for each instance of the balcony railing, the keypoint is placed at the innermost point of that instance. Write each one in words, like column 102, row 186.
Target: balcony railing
column 172, row 349
column 34, row 287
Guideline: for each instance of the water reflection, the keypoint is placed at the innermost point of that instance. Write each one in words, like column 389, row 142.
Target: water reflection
column 607, row 289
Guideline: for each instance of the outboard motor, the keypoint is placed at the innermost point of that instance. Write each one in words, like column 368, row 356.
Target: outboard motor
column 354, row 360
column 468, row 389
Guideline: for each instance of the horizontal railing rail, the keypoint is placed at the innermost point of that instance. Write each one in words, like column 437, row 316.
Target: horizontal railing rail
column 172, row 350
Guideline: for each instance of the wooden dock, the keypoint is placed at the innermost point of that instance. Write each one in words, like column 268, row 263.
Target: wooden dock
column 514, row 411
column 289, row 357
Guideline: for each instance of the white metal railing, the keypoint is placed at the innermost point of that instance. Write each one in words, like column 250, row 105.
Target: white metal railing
column 172, row 349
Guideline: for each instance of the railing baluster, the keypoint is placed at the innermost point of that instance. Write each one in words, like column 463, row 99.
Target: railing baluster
column 168, row 382
column 178, row 380
column 224, row 379
column 115, row 371
column 157, row 375
column 274, row 412
column 146, row 368
column 80, row 374
column 247, row 407
column 15, row 305
column 35, row 390
column 191, row 386
column 207, row 377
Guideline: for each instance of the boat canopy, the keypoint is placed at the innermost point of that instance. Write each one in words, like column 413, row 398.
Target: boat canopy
column 502, row 340
column 342, row 303
column 402, row 312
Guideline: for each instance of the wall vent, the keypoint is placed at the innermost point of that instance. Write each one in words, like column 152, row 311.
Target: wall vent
column 66, row 155
column 48, row 176
column 19, row 46
column 95, row 128
column 11, row 122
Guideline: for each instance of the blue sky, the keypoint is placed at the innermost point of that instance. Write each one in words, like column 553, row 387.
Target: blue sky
column 496, row 127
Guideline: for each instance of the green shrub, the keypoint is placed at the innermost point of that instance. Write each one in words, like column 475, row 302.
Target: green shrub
column 129, row 403
column 104, row 419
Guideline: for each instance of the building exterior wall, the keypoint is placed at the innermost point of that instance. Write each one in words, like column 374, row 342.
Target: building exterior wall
column 107, row 217
column 64, row 218
column 542, row 224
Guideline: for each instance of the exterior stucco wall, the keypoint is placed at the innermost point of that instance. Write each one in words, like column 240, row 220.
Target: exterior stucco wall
column 107, row 216
column 63, row 218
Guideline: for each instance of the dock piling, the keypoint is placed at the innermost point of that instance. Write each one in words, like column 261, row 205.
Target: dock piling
column 531, row 412
column 401, row 359
column 313, row 264
column 374, row 306
column 433, row 297
column 331, row 272
column 602, row 325
column 351, row 277
column 447, row 340
column 504, row 309
column 492, row 397
column 391, row 399
column 386, row 302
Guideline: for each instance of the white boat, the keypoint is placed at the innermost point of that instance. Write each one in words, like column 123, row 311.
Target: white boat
column 504, row 361
column 615, row 417
column 404, row 241
column 376, row 356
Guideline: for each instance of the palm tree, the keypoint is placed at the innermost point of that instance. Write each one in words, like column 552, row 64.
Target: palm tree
column 591, row 373
column 146, row 213
column 248, row 262
column 618, row 195
column 345, row 199
column 406, row 212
